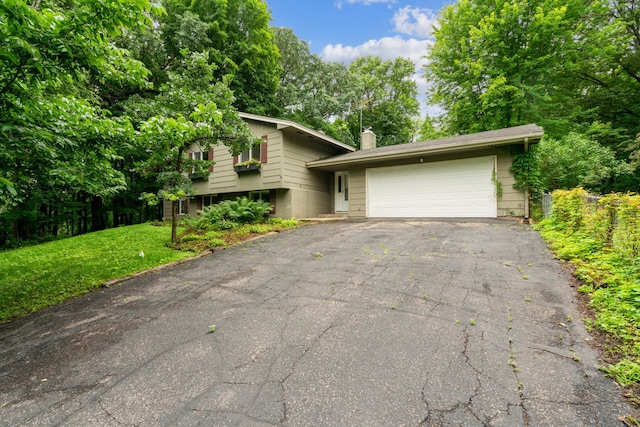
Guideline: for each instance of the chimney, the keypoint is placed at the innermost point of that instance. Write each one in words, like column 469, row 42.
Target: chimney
column 367, row 139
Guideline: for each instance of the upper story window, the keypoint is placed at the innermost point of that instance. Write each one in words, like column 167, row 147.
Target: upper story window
column 252, row 152
column 201, row 155
column 255, row 153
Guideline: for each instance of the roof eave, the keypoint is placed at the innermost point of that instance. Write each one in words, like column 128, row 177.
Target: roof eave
column 330, row 163
column 284, row 124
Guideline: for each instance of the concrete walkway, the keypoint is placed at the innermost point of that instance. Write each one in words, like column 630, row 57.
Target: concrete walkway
column 361, row 324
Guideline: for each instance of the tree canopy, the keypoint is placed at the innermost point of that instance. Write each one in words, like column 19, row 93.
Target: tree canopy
column 569, row 66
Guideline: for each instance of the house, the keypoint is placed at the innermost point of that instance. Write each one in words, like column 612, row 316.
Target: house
column 275, row 171
column 304, row 173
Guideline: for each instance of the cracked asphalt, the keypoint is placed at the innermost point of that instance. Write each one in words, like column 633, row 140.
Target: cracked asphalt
column 377, row 323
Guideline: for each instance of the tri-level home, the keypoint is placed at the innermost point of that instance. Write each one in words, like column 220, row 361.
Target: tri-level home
column 303, row 173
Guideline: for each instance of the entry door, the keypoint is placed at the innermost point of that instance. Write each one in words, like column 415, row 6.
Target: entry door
column 342, row 191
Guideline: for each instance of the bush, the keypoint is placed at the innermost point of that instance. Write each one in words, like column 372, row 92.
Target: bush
column 229, row 214
column 602, row 240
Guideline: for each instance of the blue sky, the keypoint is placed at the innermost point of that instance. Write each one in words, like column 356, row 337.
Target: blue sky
column 342, row 30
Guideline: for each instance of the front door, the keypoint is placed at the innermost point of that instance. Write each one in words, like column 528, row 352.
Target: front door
column 342, row 191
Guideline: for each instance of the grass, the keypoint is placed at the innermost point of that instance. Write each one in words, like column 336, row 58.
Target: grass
column 35, row 277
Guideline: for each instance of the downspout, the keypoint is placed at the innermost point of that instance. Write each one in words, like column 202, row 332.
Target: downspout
column 526, row 190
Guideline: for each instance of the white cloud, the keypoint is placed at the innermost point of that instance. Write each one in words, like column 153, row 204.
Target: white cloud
column 339, row 3
column 417, row 22
column 388, row 48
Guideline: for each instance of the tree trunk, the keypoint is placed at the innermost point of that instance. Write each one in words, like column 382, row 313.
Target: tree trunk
column 174, row 220
column 97, row 214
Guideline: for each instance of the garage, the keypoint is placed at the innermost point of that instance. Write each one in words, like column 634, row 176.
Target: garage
column 447, row 189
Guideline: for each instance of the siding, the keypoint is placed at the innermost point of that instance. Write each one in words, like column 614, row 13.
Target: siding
column 224, row 179
column 297, row 152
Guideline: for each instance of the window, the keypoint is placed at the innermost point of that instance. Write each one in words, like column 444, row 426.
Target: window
column 201, row 155
column 183, row 206
column 260, row 195
column 268, row 196
column 209, row 200
column 252, row 152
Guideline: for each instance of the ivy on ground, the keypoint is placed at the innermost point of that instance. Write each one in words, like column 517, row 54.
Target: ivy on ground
column 601, row 238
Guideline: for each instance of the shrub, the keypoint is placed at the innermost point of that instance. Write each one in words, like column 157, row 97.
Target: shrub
column 602, row 241
column 229, row 214
column 568, row 208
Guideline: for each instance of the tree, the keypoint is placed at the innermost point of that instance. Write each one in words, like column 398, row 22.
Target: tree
column 311, row 91
column 386, row 98
column 56, row 139
column 191, row 109
column 428, row 130
column 239, row 41
column 493, row 64
column 578, row 161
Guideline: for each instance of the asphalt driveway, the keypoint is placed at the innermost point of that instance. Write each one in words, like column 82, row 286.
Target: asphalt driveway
column 367, row 323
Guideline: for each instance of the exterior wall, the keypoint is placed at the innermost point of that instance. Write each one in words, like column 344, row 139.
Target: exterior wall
column 224, row 178
column 300, row 192
column 297, row 153
column 512, row 201
column 309, row 203
column 510, row 204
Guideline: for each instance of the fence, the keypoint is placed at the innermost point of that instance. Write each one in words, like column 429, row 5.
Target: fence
column 612, row 220
column 547, row 203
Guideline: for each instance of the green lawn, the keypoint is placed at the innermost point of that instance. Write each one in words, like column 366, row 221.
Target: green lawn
column 39, row 276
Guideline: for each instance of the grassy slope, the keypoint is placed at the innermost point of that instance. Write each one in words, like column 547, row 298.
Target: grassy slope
column 39, row 276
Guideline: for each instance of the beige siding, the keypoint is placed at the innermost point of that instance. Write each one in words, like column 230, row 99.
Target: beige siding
column 296, row 173
column 511, row 203
column 283, row 204
column 224, row 179
column 309, row 203
column 357, row 193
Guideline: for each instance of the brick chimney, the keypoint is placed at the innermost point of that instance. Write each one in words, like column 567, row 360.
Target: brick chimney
column 367, row 140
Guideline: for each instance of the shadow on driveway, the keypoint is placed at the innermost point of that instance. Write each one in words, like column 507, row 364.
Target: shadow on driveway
column 371, row 323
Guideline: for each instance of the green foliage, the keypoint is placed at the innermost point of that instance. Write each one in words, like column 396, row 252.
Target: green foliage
column 576, row 160
column 202, row 236
column 55, row 137
column 231, row 213
column 40, row 276
column 525, row 170
column 238, row 40
column 428, row 130
column 625, row 372
column 492, row 63
column 602, row 240
column 386, row 97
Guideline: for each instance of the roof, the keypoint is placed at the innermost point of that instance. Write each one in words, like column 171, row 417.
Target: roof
column 284, row 124
column 527, row 133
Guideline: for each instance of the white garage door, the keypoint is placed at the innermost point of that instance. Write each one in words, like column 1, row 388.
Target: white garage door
column 450, row 189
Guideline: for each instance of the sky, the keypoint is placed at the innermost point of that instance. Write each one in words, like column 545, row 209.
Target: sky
column 342, row 30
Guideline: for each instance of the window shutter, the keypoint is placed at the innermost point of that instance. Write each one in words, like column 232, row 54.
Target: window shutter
column 272, row 201
column 235, row 160
column 210, row 159
column 263, row 149
column 191, row 158
column 186, row 206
